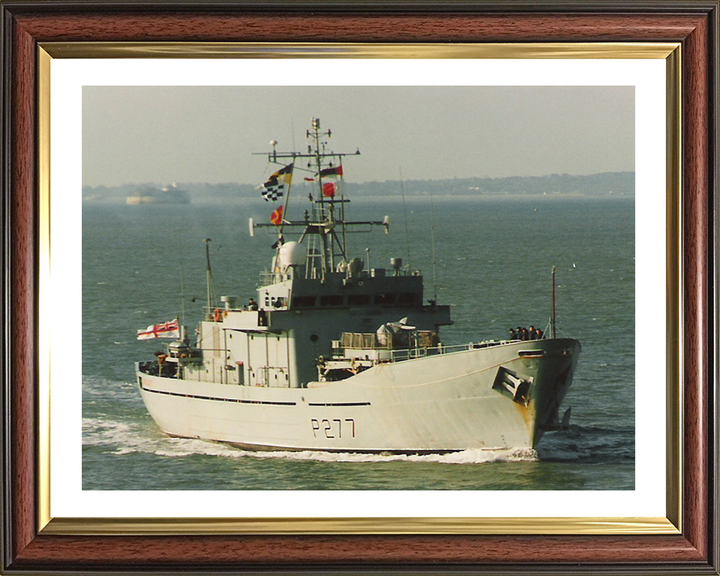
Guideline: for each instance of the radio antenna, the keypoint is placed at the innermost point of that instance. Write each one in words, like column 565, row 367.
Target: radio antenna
column 407, row 232
column 432, row 240
column 292, row 131
column 210, row 287
column 554, row 313
column 182, row 290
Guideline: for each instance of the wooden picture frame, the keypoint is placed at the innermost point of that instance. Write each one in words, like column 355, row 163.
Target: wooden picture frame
column 30, row 545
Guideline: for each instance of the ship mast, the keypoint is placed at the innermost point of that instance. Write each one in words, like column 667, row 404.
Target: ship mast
column 322, row 221
column 327, row 236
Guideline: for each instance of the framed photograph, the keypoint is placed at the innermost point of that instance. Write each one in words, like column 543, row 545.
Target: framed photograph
column 548, row 172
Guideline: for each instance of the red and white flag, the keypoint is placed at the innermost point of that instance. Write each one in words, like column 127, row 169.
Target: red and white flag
column 170, row 329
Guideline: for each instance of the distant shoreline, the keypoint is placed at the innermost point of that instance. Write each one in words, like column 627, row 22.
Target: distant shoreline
column 607, row 184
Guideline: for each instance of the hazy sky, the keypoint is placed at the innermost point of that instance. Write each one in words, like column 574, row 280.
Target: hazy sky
column 208, row 134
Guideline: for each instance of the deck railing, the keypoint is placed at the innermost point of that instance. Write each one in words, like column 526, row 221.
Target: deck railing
column 411, row 353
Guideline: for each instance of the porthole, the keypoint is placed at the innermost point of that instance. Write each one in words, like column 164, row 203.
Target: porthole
column 314, row 337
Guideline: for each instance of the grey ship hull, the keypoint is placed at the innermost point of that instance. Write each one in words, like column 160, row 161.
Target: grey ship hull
column 500, row 396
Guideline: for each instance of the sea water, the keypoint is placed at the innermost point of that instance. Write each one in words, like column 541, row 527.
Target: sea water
column 490, row 258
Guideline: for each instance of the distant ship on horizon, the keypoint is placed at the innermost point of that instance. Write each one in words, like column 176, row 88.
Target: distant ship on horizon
column 168, row 195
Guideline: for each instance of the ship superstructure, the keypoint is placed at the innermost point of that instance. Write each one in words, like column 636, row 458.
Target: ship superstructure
column 331, row 354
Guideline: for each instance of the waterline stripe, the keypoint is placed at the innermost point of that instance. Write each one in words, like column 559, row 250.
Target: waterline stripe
column 236, row 400
column 338, row 403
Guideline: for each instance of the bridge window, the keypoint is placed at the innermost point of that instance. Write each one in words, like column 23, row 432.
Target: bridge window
column 331, row 300
column 304, row 301
column 409, row 298
column 388, row 298
column 358, row 299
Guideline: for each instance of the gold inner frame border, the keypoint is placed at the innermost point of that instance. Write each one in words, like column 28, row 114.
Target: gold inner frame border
column 671, row 524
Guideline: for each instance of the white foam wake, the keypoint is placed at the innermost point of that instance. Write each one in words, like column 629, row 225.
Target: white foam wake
column 123, row 438
column 475, row 456
column 119, row 437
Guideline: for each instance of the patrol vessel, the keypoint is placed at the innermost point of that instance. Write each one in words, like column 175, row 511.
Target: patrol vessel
column 333, row 355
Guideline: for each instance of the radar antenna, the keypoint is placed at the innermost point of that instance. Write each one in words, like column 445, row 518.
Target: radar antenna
column 327, row 220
